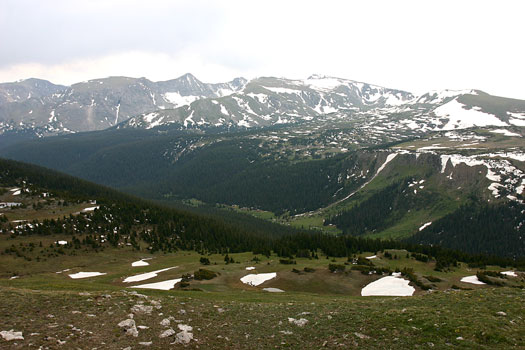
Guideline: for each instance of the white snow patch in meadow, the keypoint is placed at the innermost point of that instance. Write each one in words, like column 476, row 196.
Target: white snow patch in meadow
column 471, row 279
column 389, row 286
column 510, row 273
column 505, row 132
column 461, row 118
column 62, row 242
column 179, row 100
column 85, row 210
column 16, row 193
column 86, row 274
column 257, row 279
column 249, row 268
column 425, row 226
column 146, row 276
column 139, row 263
column 372, row 257
column 164, row 285
column 273, row 290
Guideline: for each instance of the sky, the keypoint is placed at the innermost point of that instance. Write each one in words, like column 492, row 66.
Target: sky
column 416, row 46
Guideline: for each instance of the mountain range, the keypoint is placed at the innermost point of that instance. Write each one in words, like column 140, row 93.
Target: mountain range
column 37, row 108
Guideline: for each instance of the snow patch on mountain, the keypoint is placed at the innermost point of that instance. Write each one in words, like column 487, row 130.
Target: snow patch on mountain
column 281, row 90
column 319, row 82
column 460, row 117
column 435, row 96
column 505, row 132
column 502, row 174
column 178, row 100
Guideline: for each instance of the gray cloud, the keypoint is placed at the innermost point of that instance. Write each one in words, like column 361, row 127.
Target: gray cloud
column 58, row 31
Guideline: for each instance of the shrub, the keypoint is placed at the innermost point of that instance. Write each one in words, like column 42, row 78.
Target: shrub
column 203, row 274
column 433, row 279
column 287, row 261
column 186, row 277
column 483, row 277
column 409, row 273
column 336, row 267
column 204, row 261
column 420, row 257
column 228, row 260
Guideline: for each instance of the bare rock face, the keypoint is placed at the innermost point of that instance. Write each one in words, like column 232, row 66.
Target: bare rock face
column 11, row 335
column 130, row 327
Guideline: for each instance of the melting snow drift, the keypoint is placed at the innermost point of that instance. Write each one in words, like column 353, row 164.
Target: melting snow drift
column 471, row 279
column 139, row 263
column 510, row 273
column 146, row 276
column 86, row 274
column 164, row 285
column 256, row 279
column 389, row 286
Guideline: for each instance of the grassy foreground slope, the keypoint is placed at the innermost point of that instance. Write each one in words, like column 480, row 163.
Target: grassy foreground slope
column 54, row 311
column 464, row 320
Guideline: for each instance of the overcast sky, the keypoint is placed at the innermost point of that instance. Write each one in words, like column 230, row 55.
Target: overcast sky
column 411, row 45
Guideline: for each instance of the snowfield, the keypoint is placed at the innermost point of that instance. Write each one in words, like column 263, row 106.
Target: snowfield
column 461, row 118
column 510, row 273
column 146, row 276
column 86, row 274
column 425, row 226
column 389, row 286
column 471, row 279
column 139, row 263
column 257, row 279
column 164, row 285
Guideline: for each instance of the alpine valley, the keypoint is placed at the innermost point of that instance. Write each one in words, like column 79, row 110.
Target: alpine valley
column 322, row 153
column 261, row 214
